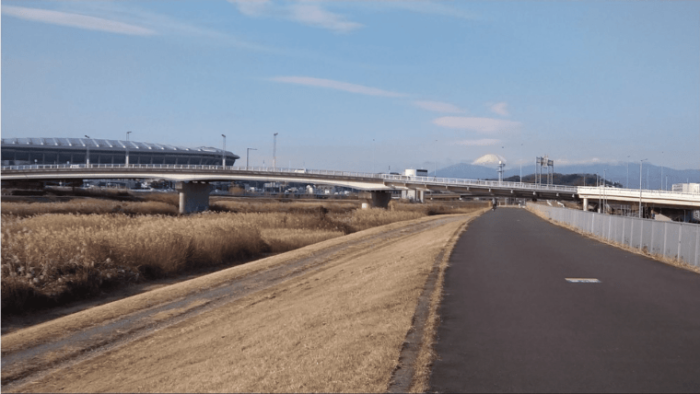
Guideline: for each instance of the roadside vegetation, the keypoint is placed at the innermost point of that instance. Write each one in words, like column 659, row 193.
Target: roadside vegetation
column 337, row 325
column 55, row 253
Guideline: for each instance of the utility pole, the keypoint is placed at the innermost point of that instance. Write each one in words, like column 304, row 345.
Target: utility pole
column 127, row 148
column 223, row 153
column 627, row 185
column 550, row 164
column 247, row 156
column 274, row 151
column 640, row 188
column 87, row 157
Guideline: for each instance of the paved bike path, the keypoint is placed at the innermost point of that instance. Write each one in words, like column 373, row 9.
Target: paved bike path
column 512, row 323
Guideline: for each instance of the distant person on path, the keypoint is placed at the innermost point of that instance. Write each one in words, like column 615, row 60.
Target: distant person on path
column 494, row 204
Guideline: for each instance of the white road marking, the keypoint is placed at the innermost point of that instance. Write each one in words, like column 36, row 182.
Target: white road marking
column 582, row 280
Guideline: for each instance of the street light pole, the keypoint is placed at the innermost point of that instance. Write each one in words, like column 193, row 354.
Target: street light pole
column 436, row 165
column 87, row 157
column 597, row 184
column 605, row 202
column 627, row 185
column 274, row 151
column 662, row 172
column 521, row 173
column 223, row 153
column 640, row 188
column 127, row 148
column 374, row 152
column 247, row 156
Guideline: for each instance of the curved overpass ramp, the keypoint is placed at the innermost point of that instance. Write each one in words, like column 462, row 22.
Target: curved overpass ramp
column 193, row 183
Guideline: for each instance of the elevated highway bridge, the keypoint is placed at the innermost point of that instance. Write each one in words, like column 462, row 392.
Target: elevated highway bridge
column 192, row 182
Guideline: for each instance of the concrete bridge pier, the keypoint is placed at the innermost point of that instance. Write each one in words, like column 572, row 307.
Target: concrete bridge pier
column 413, row 194
column 380, row 199
column 194, row 197
column 585, row 204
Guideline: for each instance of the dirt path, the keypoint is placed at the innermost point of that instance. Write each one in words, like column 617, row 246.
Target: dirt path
column 369, row 281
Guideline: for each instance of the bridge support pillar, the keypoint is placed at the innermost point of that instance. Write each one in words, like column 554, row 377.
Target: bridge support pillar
column 194, row 197
column 585, row 204
column 380, row 199
column 413, row 195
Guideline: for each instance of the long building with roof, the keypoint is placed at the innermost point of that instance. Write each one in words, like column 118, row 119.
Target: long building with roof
column 20, row 151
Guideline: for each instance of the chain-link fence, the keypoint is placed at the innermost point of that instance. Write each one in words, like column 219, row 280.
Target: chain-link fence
column 672, row 240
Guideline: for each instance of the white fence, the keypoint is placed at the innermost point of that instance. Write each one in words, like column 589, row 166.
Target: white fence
column 680, row 241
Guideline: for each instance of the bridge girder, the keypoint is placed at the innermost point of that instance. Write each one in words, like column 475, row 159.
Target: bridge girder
column 365, row 182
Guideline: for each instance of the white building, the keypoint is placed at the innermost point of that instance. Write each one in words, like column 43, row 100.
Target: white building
column 686, row 188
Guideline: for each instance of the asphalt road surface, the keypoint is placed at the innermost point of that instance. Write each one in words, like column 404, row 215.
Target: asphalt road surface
column 511, row 322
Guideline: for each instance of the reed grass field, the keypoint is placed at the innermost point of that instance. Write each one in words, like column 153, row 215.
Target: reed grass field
column 58, row 252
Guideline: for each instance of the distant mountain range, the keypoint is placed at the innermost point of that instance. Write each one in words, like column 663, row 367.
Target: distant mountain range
column 615, row 173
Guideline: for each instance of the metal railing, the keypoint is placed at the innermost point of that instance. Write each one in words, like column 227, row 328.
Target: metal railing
column 298, row 171
column 438, row 181
column 614, row 191
column 672, row 240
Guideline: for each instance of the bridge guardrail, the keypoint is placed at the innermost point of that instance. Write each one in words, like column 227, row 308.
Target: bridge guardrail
column 672, row 240
column 379, row 177
column 298, row 171
column 614, row 191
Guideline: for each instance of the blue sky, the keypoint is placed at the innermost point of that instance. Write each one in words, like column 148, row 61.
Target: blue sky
column 363, row 85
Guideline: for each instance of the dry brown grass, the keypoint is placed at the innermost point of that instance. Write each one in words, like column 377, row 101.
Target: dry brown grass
column 167, row 198
column 88, row 206
column 271, row 205
column 51, row 258
column 58, row 328
column 338, row 329
column 282, row 240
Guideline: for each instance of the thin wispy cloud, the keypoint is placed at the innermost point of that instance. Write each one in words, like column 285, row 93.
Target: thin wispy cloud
column 116, row 17
column 337, row 85
column 310, row 13
column 253, row 7
column 432, row 7
column 480, row 125
column 76, row 20
column 314, row 15
column 500, row 109
column 480, row 142
column 438, row 106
